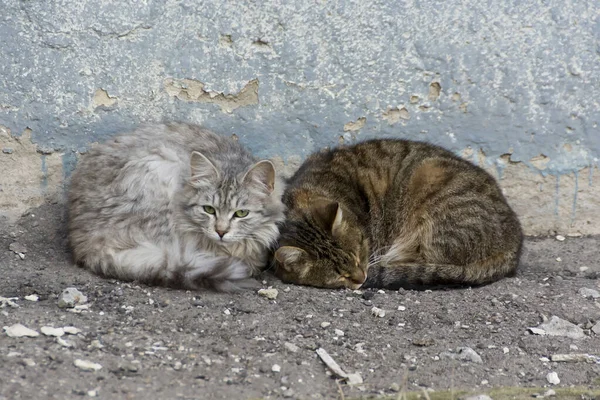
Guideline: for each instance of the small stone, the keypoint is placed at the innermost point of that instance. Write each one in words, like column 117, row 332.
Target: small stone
column 558, row 259
column 87, row 365
column 288, row 393
column 287, row 289
column 17, row 248
column 21, row 255
column 560, row 238
column 380, row 291
column 71, row 297
column 291, row 347
column 463, row 354
column 92, row 393
column 276, row 368
column 8, row 301
column 587, row 292
column 354, row 379
column 50, row 331
column 338, row 332
column 583, row 269
column 71, row 330
column 368, row 295
column 552, row 378
column 423, row 342
column 32, row 297
column 226, row 311
column 550, row 393
column 29, row 362
column 270, row 294
column 478, row 397
column 64, row 343
column 485, row 382
column 401, row 308
column 7, row 150
column 577, row 357
column 505, row 350
column 177, row 366
column 596, row 328
column 394, row 387
column 325, row 324
column 378, row 312
column 18, row 330
column 537, row 331
column 559, row 327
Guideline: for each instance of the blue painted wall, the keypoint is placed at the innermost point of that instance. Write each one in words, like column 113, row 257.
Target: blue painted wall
column 520, row 77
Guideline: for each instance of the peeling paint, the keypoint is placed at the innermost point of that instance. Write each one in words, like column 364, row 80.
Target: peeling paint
column 101, row 98
column 28, row 178
column 354, row 126
column 393, row 115
column 434, row 91
column 191, row 90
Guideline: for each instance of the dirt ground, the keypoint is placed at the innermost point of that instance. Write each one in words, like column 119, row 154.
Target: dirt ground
column 157, row 343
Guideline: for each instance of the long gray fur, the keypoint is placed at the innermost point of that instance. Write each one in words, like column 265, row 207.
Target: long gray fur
column 136, row 208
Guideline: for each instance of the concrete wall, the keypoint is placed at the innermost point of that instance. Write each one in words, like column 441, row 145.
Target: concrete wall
column 512, row 85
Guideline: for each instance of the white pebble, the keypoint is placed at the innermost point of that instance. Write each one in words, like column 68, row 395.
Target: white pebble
column 276, row 368
column 50, row 331
column 32, row 297
column 484, row 382
column 227, row 312
column 87, row 365
column 552, row 378
column 92, row 393
column 378, row 312
column 558, row 259
column 287, row 289
column 339, row 332
column 64, row 343
column 29, row 362
column 401, row 308
column 71, row 330
column 71, row 297
column 505, row 350
column 325, row 324
column 270, row 294
column 291, row 347
column 381, row 291
column 18, row 330
column 583, row 269
column 560, row 238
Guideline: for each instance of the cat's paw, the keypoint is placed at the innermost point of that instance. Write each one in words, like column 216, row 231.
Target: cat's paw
column 222, row 274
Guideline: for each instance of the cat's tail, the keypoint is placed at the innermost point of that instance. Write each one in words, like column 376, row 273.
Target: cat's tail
column 156, row 265
column 406, row 275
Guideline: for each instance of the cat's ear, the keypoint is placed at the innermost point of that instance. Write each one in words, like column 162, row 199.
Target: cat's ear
column 287, row 256
column 202, row 170
column 328, row 215
column 261, row 175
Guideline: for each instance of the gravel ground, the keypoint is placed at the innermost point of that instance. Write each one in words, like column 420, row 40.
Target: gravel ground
column 146, row 342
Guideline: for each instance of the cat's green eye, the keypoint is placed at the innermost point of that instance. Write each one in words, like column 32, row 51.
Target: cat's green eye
column 241, row 213
column 209, row 209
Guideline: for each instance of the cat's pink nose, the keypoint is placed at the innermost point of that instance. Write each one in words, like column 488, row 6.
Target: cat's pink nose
column 359, row 277
column 221, row 233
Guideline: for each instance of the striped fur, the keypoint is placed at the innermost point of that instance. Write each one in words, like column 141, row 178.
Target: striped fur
column 412, row 215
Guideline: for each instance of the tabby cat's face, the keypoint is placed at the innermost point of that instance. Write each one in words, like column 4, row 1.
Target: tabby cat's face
column 230, row 210
column 322, row 249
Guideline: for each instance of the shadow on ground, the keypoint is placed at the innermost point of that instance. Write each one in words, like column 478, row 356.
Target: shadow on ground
column 156, row 343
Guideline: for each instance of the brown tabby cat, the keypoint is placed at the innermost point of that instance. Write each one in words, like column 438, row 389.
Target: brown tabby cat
column 395, row 213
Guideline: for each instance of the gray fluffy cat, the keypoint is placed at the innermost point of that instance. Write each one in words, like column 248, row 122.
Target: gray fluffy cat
column 174, row 205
